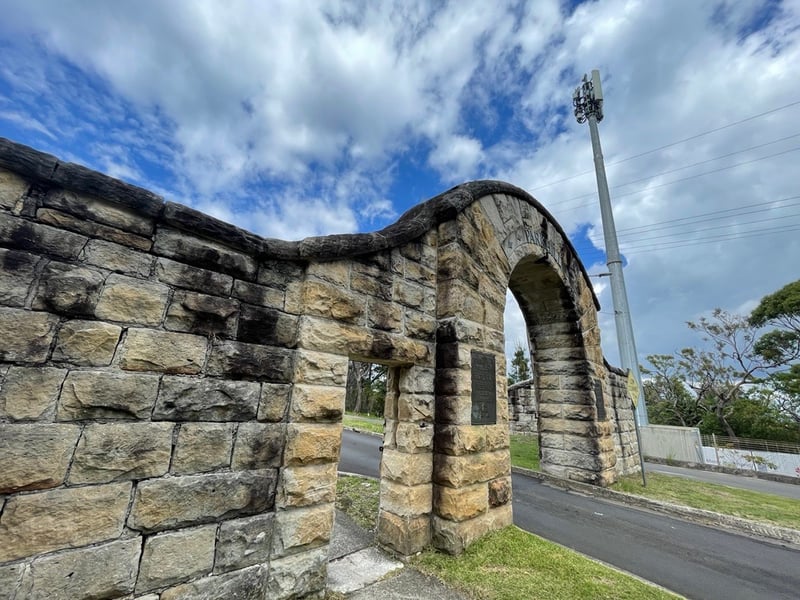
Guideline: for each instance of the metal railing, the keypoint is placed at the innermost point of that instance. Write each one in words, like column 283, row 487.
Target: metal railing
column 740, row 443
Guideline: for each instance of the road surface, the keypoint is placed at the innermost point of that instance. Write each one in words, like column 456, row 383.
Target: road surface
column 692, row 560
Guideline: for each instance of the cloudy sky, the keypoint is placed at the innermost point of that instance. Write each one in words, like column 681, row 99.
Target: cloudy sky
column 303, row 118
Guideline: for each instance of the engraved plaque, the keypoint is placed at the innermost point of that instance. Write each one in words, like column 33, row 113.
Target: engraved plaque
column 598, row 398
column 484, row 389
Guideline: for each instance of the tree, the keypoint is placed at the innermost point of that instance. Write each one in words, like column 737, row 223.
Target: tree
column 366, row 388
column 669, row 400
column 520, row 369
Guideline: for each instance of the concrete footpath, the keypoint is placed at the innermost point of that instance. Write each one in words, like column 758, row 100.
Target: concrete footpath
column 359, row 570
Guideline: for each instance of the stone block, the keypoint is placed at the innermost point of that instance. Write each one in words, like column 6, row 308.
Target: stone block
column 16, row 276
column 106, row 571
column 499, row 491
column 250, row 361
column 11, row 579
column 87, row 343
column 247, row 584
column 569, row 426
column 26, row 335
column 415, row 407
column 129, row 300
column 42, row 239
column 337, row 272
column 308, row 444
column 458, row 471
column 399, row 350
column 414, row 437
column 193, row 278
column 406, row 501
column 404, row 535
column 460, row 504
column 266, row 326
column 578, row 460
column 274, row 405
column 206, row 399
column 298, row 576
column 260, row 295
column 279, row 273
column 118, row 258
column 63, row 220
column 317, row 403
column 258, row 446
column 456, row 299
column 201, row 313
column 305, row 486
column 417, row 380
column 107, row 395
column 301, row 529
column 408, row 469
column 455, row 536
column 185, row 247
column 418, row 297
column 194, row 499
column 321, row 335
column 320, row 368
column 244, row 542
column 202, row 447
column 35, row 456
column 68, row 289
column 385, row 316
column 66, row 518
column 150, row 350
column 419, row 325
column 331, row 301
column 12, row 188
column 117, row 452
column 102, row 211
column 30, row 393
column 175, row 557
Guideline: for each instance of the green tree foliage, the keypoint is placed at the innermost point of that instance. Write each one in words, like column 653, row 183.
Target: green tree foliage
column 366, row 388
column 520, row 368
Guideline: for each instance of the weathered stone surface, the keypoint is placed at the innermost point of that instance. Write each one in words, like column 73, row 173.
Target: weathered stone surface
column 458, row 471
column 193, row 278
column 29, row 393
column 406, row 501
column 311, row 444
column 106, row 571
column 202, row 447
column 247, row 584
column 461, row 504
column 328, row 336
column 304, row 486
column 317, row 403
column 115, row 257
column 68, row 289
column 455, row 536
column 405, row 535
column 467, row 439
column 260, row 295
column 26, row 335
column 258, row 446
column 279, row 273
column 201, row 313
column 302, row 528
column 267, row 326
column 16, row 276
column 87, row 343
column 415, row 407
column 397, row 349
column 169, row 503
column 35, row 457
column 64, row 220
column 11, row 577
column 207, row 399
column 408, row 469
column 331, row 301
column 385, row 316
column 298, row 576
column 419, row 325
column 42, row 239
column 115, row 452
column 421, row 298
column 337, row 272
column 102, row 211
column 205, row 253
column 320, row 368
column 244, row 542
column 414, row 437
column 250, row 361
column 107, row 395
column 131, row 300
column 149, row 350
column 175, row 557
column 274, row 403
column 499, row 491
column 12, row 188
column 66, row 518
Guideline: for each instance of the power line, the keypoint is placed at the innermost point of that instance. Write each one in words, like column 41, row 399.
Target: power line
column 632, row 243
column 693, row 137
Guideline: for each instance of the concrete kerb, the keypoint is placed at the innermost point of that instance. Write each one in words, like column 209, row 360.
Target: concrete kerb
column 696, row 515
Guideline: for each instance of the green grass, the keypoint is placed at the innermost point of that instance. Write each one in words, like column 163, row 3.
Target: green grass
column 359, row 498
column 525, row 451
column 363, row 422
column 511, row 564
column 723, row 499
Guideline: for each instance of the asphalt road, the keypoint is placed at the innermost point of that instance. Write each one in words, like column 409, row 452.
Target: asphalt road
column 765, row 486
column 695, row 561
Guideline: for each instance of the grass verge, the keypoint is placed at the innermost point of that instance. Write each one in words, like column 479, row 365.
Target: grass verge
column 357, row 421
column 359, row 498
column 525, row 451
column 723, row 499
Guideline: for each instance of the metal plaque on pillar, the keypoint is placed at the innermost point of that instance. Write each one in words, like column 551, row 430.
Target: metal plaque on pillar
column 484, row 389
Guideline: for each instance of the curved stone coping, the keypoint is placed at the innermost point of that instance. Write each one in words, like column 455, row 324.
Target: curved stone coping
column 414, row 223
column 695, row 515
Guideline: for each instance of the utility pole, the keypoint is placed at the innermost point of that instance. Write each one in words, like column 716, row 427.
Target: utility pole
column 588, row 103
